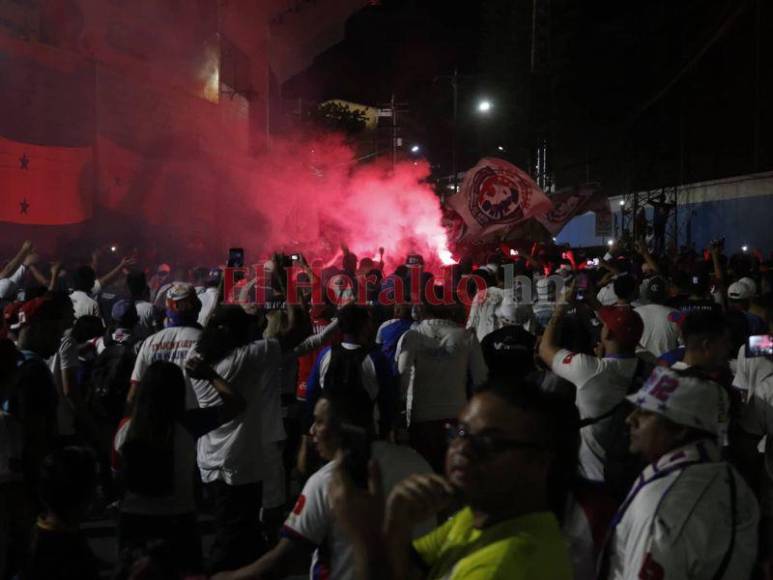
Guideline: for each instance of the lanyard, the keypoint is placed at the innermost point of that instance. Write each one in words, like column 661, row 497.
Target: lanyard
column 644, row 479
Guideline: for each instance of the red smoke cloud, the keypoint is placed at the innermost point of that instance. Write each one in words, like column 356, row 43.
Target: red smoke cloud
column 313, row 195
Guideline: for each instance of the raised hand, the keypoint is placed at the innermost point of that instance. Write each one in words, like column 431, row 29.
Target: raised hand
column 31, row 259
column 416, row 499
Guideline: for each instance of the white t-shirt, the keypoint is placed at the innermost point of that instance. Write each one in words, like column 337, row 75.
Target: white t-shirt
column 435, row 361
column 83, row 304
column 678, row 525
column 661, row 332
column 576, row 528
column 9, row 286
column 182, row 501
column 208, row 300
column 750, row 371
column 147, row 319
column 482, row 318
column 311, row 520
column 65, row 358
column 601, row 384
column 233, row 452
column 172, row 345
column 754, row 375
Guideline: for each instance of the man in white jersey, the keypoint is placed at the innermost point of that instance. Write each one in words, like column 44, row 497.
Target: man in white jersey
column 175, row 341
column 689, row 514
column 311, row 529
column 601, row 382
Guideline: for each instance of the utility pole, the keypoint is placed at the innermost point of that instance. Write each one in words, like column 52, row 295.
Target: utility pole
column 542, row 93
column 394, row 131
column 454, row 153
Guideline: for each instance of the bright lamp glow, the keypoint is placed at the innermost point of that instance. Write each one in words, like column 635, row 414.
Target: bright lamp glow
column 501, row 148
column 622, row 202
column 745, row 248
column 611, row 243
column 484, row 106
column 415, row 149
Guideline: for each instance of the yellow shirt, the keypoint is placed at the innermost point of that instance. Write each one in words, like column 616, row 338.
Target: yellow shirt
column 528, row 547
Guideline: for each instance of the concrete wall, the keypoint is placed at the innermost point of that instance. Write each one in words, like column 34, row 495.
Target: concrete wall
column 738, row 208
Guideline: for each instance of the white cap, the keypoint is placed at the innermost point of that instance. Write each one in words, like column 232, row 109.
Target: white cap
column 750, row 283
column 741, row 290
column 607, row 295
column 684, row 400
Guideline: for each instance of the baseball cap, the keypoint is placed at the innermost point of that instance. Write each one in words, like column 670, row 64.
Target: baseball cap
column 750, row 283
column 740, row 290
column 624, row 322
column 40, row 308
column 11, row 314
column 124, row 311
column 607, row 295
column 683, row 399
column 181, row 296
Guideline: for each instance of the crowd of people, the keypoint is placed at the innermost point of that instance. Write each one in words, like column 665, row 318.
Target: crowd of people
column 602, row 417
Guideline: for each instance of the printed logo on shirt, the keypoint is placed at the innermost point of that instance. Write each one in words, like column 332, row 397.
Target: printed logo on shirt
column 663, row 388
column 299, row 505
column 568, row 358
column 651, row 570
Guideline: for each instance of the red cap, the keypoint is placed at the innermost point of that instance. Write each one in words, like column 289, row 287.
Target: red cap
column 11, row 312
column 32, row 309
column 624, row 322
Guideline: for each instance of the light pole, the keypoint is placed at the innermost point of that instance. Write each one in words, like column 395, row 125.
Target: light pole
column 484, row 107
column 454, row 168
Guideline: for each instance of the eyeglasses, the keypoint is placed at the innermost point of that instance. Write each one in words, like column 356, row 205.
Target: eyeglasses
column 485, row 445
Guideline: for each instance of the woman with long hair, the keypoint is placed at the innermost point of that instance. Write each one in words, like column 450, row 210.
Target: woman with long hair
column 157, row 449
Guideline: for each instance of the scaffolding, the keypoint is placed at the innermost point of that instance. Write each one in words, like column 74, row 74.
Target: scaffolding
column 661, row 216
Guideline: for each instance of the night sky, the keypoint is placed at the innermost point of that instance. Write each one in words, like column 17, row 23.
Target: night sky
column 638, row 95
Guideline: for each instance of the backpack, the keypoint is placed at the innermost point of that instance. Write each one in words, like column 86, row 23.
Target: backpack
column 621, row 467
column 345, row 367
column 111, row 375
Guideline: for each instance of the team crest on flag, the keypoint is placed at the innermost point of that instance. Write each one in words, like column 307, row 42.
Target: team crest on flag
column 495, row 196
column 498, row 195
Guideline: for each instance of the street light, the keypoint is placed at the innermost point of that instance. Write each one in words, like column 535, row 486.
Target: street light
column 500, row 148
column 415, row 149
column 483, row 106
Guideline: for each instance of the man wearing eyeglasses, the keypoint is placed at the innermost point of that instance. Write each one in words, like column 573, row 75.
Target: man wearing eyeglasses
column 497, row 464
